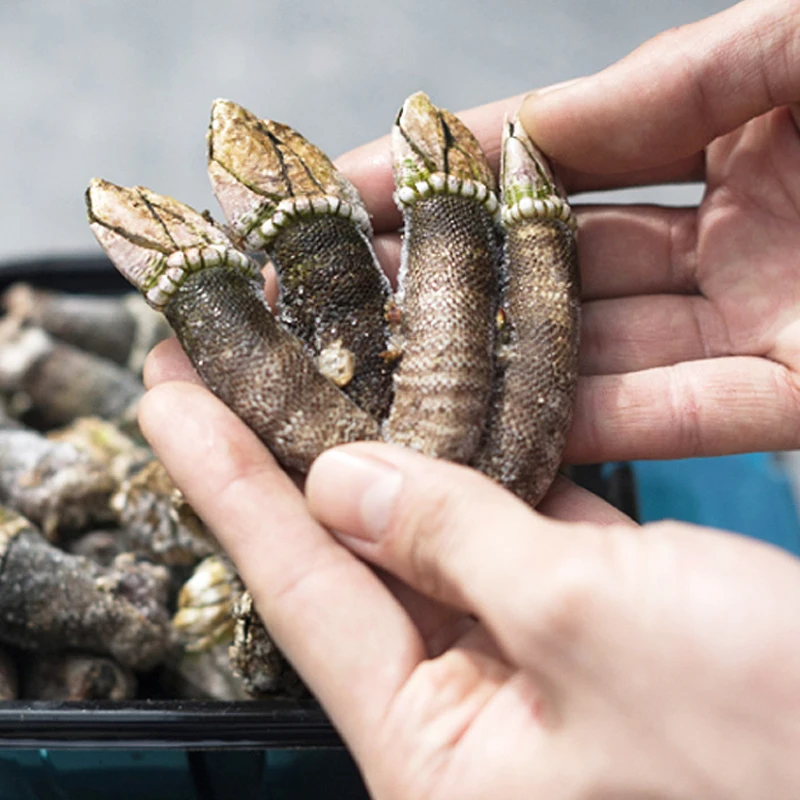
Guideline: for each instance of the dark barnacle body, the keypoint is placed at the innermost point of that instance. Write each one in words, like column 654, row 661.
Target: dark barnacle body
column 260, row 370
column 51, row 600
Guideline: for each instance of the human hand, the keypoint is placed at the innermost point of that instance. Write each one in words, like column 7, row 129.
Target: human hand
column 607, row 662
column 498, row 652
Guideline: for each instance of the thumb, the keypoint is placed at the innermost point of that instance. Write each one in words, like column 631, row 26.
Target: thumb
column 673, row 95
column 459, row 538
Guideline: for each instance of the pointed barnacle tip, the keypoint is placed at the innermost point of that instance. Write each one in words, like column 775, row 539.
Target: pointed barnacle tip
column 99, row 197
column 222, row 105
column 95, row 185
column 416, row 108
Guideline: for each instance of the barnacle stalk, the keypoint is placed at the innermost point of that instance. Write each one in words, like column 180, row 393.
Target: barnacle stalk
column 537, row 357
column 122, row 329
column 212, row 296
column 53, row 483
column 55, row 383
column 50, row 600
column 282, row 195
column 446, row 190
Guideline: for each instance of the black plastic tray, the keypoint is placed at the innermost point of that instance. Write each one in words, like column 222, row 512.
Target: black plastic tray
column 166, row 724
column 146, row 723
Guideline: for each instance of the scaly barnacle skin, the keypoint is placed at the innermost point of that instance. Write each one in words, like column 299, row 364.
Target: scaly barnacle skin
column 448, row 300
column 537, row 359
column 282, row 195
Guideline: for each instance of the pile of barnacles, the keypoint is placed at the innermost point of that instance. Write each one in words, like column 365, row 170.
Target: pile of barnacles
column 110, row 586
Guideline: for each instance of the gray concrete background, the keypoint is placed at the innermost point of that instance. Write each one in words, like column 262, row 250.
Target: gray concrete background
column 122, row 90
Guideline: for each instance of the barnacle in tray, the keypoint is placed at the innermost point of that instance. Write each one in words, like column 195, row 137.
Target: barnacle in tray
column 50, row 600
column 53, row 483
column 54, row 383
column 157, row 520
column 434, row 369
column 228, row 653
column 122, row 329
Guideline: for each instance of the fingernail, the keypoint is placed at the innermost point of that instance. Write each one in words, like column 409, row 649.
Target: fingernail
column 353, row 493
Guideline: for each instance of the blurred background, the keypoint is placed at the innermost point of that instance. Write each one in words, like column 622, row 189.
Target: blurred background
column 122, row 90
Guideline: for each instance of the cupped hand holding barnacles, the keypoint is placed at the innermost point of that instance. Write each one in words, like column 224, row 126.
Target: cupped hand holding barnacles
column 498, row 651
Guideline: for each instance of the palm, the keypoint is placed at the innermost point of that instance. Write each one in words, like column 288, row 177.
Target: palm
column 689, row 314
column 748, row 240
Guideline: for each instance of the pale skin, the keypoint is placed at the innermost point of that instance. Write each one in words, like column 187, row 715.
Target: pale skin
column 565, row 653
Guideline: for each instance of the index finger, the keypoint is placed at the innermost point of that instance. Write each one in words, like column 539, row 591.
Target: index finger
column 675, row 94
column 369, row 166
column 333, row 617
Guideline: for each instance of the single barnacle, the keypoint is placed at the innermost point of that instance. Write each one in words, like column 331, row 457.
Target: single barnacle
column 52, row 483
column 205, row 605
column 447, row 283
column 55, row 383
column 157, row 520
column 50, row 600
column 76, row 676
column 212, row 296
column 283, row 195
column 9, row 676
column 534, row 388
column 122, row 329
column 256, row 659
column 204, row 624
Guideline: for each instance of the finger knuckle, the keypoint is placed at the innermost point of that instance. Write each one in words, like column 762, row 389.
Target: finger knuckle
column 570, row 601
column 579, row 595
